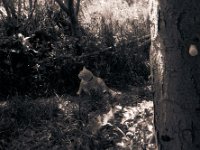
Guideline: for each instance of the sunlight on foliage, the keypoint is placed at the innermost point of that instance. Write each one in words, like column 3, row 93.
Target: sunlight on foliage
column 116, row 10
column 117, row 18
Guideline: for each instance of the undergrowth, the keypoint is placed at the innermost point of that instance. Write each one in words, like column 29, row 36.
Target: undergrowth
column 75, row 123
column 40, row 57
column 50, row 62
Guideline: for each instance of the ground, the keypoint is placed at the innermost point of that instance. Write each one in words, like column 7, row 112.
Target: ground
column 83, row 123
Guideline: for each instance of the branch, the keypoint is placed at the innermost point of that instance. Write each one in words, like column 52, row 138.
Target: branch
column 77, row 7
column 62, row 5
column 95, row 53
column 19, row 8
column 5, row 4
column 2, row 15
column 31, row 8
column 12, row 9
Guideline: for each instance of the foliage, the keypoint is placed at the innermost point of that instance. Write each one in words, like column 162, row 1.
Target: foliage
column 40, row 55
column 53, row 57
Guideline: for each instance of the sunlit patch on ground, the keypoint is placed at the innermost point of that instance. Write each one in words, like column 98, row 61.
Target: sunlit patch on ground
column 135, row 128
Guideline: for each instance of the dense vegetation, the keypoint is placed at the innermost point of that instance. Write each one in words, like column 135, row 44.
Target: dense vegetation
column 49, row 56
column 43, row 46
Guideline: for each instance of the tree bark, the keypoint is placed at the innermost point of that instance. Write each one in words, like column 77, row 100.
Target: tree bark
column 175, row 26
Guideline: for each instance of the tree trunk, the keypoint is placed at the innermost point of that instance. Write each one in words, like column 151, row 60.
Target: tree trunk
column 73, row 17
column 68, row 7
column 19, row 8
column 32, row 6
column 77, row 7
column 175, row 61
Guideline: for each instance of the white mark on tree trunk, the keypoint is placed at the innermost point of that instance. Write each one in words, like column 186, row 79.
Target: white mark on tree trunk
column 193, row 51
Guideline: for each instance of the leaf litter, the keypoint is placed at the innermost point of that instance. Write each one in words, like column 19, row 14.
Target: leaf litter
column 78, row 123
